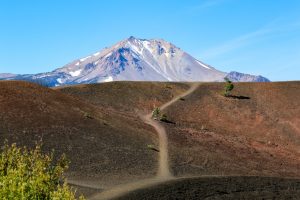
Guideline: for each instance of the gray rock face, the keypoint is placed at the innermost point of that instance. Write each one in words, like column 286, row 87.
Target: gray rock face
column 131, row 60
column 240, row 77
column 7, row 76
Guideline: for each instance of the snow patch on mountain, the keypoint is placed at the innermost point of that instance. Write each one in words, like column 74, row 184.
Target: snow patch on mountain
column 108, row 79
column 75, row 73
column 96, row 54
column 109, row 54
column 147, row 46
column 84, row 59
column 135, row 59
column 200, row 63
column 59, row 80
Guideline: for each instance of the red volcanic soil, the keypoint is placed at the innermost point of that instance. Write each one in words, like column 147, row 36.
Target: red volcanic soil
column 103, row 147
column 126, row 96
column 220, row 188
column 254, row 132
column 98, row 129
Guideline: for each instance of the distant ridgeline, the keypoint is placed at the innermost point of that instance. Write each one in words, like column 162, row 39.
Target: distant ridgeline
column 134, row 60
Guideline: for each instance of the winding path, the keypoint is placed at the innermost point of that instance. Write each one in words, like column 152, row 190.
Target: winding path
column 163, row 173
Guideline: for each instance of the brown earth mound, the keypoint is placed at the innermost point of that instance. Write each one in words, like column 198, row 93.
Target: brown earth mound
column 256, row 131
column 127, row 96
column 220, row 188
column 106, row 145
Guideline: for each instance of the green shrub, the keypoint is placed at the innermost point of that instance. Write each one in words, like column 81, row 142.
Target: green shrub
column 152, row 147
column 30, row 174
column 88, row 115
column 156, row 113
column 228, row 87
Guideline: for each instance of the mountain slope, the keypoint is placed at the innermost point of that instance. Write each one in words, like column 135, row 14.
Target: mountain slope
column 140, row 60
column 7, row 76
column 255, row 132
column 105, row 144
column 132, row 60
column 240, row 77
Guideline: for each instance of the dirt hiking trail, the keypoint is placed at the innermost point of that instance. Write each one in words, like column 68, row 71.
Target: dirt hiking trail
column 163, row 173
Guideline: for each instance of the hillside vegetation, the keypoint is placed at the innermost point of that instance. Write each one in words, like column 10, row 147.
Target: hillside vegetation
column 30, row 174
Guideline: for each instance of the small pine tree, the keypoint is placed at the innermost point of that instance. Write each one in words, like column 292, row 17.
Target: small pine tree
column 156, row 113
column 228, row 87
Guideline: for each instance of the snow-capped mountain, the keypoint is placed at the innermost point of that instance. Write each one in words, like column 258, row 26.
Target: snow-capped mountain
column 240, row 77
column 7, row 76
column 133, row 60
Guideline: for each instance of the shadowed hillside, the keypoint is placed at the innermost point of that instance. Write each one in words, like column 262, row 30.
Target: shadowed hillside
column 98, row 126
column 220, row 188
column 105, row 145
column 254, row 132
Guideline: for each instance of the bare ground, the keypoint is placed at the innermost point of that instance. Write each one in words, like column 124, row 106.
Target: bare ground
column 220, row 188
column 163, row 173
column 254, row 132
column 106, row 145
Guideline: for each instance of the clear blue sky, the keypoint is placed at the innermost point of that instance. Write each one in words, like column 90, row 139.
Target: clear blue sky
column 251, row 36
